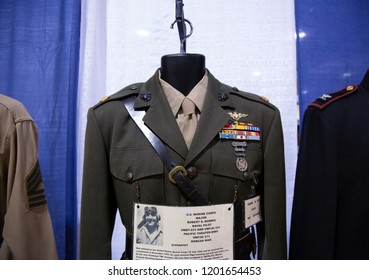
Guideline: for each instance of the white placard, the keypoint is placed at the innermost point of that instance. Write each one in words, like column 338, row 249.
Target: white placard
column 169, row 232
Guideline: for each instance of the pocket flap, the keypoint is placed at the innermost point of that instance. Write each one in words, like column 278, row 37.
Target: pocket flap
column 134, row 164
column 224, row 164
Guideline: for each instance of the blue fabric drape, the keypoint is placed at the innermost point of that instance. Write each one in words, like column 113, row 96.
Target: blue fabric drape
column 39, row 51
column 332, row 46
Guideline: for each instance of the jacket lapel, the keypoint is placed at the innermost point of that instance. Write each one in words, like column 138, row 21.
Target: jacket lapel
column 212, row 120
column 159, row 117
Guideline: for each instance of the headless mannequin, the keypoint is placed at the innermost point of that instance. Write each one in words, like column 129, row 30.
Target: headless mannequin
column 183, row 71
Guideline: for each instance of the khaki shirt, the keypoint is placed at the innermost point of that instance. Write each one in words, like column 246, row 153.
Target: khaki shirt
column 25, row 226
column 175, row 98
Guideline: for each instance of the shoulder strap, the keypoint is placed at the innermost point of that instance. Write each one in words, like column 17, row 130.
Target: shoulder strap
column 326, row 99
column 177, row 174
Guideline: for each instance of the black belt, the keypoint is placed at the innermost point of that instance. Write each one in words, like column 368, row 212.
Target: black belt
column 177, row 173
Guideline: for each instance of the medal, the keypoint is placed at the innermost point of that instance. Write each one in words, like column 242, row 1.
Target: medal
column 240, row 152
column 241, row 164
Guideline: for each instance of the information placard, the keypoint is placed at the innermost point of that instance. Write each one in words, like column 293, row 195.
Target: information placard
column 168, row 232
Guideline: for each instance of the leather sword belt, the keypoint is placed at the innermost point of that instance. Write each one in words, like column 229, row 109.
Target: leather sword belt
column 177, row 173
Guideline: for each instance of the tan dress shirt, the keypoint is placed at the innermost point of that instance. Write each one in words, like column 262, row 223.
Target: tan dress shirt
column 25, row 226
column 175, row 98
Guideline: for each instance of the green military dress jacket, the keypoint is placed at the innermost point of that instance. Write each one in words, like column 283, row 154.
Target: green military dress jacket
column 121, row 167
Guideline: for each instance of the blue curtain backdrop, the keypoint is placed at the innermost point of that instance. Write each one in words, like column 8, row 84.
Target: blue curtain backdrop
column 39, row 48
column 332, row 46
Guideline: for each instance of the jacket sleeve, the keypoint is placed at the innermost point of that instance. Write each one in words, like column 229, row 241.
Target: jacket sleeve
column 275, row 245
column 314, row 205
column 28, row 231
column 98, row 207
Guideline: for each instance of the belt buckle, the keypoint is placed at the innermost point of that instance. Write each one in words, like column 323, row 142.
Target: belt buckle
column 174, row 171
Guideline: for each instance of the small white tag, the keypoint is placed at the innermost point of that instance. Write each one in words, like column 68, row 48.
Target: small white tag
column 252, row 211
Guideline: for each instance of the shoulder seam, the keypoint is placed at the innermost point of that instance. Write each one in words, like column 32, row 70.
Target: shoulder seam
column 339, row 94
column 123, row 93
column 254, row 97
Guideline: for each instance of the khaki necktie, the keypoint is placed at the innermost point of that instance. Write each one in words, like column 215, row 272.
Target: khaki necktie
column 189, row 121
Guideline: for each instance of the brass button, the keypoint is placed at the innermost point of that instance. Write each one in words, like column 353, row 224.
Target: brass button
column 104, row 98
column 129, row 175
column 349, row 88
column 266, row 99
column 191, row 172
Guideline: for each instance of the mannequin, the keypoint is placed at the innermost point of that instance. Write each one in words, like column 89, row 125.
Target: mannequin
column 183, row 71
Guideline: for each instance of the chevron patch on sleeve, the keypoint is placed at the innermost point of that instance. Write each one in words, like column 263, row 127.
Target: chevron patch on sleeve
column 35, row 188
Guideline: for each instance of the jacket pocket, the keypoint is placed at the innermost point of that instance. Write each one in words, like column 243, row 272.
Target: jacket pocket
column 229, row 183
column 137, row 176
column 224, row 164
column 135, row 164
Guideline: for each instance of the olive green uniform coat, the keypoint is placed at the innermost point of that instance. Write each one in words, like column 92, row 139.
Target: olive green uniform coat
column 121, row 167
